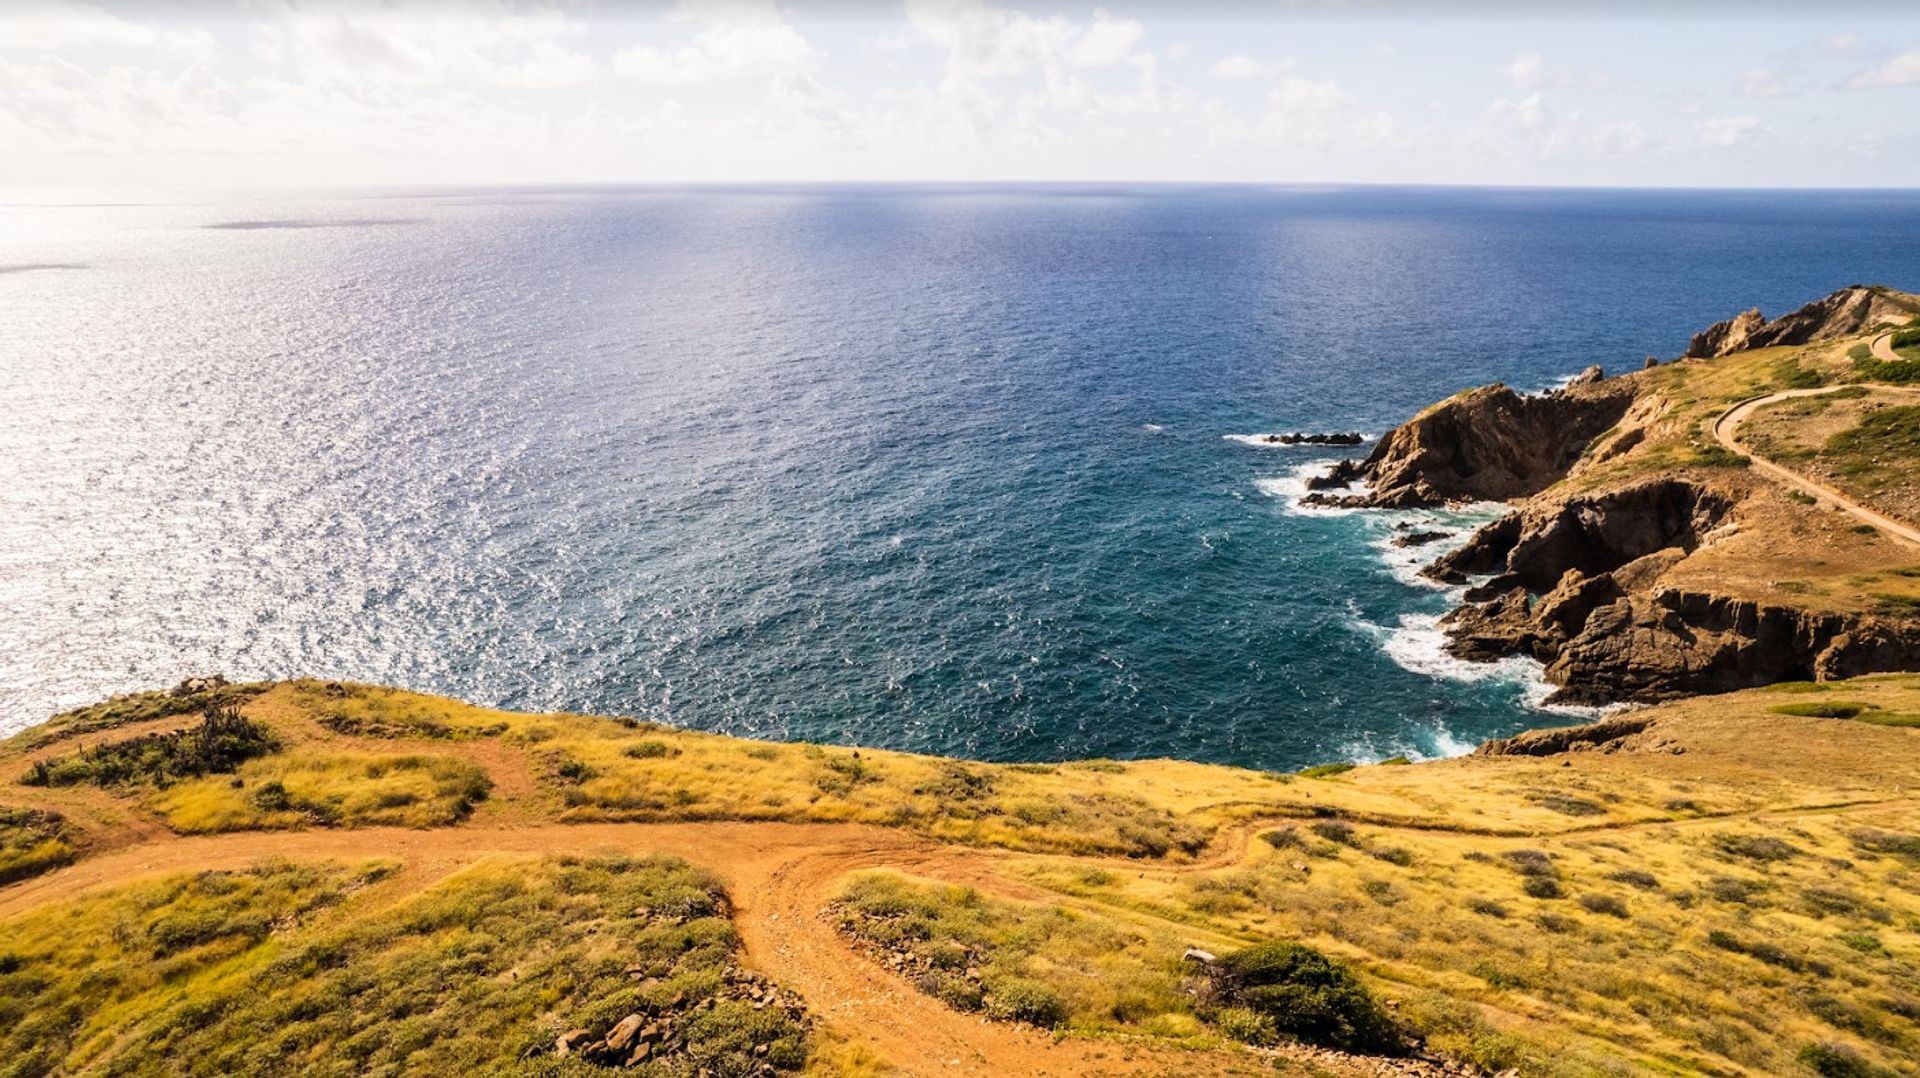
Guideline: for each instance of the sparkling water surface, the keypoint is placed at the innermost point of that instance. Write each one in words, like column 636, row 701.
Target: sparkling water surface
column 942, row 469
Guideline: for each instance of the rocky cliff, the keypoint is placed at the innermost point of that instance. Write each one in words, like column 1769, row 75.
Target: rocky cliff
column 1487, row 444
column 1598, row 578
column 1851, row 310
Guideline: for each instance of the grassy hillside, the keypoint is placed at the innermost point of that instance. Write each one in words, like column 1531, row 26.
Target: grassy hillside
column 1734, row 889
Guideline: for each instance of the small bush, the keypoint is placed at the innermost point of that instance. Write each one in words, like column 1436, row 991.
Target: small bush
column 1022, row 999
column 1610, row 905
column 1542, row 887
column 1837, row 1061
column 1633, row 877
column 1307, row 996
column 1762, row 848
column 1336, row 831
column 650, row 749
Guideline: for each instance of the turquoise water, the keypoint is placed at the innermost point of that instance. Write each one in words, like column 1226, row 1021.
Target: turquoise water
column 944, row 469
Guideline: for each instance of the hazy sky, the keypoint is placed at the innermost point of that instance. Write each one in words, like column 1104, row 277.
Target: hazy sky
column 281, row 92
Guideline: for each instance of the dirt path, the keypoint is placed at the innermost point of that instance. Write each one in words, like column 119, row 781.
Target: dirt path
column 1882, row 348
column 1726, row 432
column 779, row 875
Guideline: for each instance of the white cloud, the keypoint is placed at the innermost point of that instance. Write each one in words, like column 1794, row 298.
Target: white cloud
column 1107, row 41
column 1529, row 71
column 364, row 46
column 55, row 25
column 1297, row 95
column 1842, row 44
column 1724, row 131
column 1239, row 67
column 1760, row 83
column 1901, row 70
column 734, row 42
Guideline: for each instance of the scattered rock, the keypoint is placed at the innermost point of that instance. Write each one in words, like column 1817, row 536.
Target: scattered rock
column 1420, row 538
column 193, row 685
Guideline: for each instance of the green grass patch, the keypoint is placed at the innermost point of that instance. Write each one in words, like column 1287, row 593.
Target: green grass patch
column 246, row 973
column 1322, row 771
column 1899, row 719
column 32, row 842
column 1824, row 709
column 1039, row 965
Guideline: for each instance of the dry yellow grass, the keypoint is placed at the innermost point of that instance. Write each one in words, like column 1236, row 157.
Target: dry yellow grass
column 1736, row 884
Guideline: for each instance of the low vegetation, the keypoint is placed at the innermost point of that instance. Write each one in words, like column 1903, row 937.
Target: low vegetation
column 276, row 970
column 1644, row 910
column 31, row 842
column 194, row 696
column 222, row 740
column 1042, row 965
column 328, row 790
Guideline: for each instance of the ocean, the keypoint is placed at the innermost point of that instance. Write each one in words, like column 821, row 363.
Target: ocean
column 946, row 469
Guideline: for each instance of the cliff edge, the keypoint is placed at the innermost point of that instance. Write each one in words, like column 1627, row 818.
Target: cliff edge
column 1645, row 560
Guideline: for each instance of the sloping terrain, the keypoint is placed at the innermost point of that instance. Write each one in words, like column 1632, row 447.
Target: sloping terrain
column 1725, row 885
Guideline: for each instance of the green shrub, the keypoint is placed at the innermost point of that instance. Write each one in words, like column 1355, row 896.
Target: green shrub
column 1307, row 996
column 1837, row 1061
column 1022, row 999
column 1837, row 709
column 1634, row 877
column 650, row 749
column 1762, row 848
column 1322, row 771
column 223, row 740
column 1610, row 905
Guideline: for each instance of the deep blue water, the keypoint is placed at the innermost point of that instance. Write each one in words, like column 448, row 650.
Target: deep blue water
column 929, row 468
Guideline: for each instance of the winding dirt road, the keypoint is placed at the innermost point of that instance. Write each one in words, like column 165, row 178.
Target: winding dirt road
column 1726, row 430
column 779, row 876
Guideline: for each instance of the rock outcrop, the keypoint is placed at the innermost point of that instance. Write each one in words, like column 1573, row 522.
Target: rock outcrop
column 1592, row 533
column 1851, row 310
column 1607, row 735
column 1488, row 444
column 1581, row 581
column 1577, row 586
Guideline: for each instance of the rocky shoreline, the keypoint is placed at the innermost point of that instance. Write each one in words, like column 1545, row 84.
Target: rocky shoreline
column 1580, row 576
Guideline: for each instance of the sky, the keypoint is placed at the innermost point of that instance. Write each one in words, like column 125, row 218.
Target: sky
column 279, row 93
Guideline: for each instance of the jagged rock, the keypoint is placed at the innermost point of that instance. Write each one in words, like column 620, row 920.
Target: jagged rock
column 1725, row 338
column 1352, row 438
column 1850, row 310
column 1651, row 363
column 1594, row 533
column 194, row 685
column 1421, row 538
column 563, row 1045
column 1343, row 474
column 1489, row 444
column 1591, row 376
column 1484, row 631
column 1604, row 734
column 624, row 1031
column 1675, row 642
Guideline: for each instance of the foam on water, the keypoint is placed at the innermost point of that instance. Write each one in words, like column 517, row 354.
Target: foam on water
column 1291, row 489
